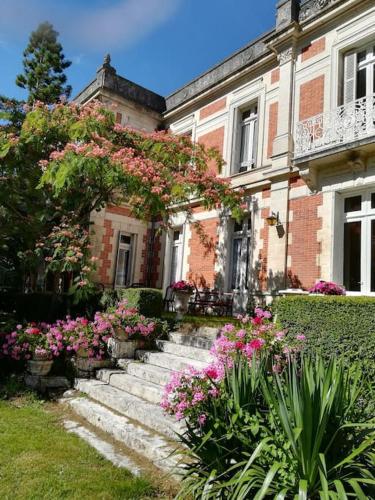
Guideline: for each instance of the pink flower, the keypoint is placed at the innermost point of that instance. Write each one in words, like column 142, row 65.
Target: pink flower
column 301, row 337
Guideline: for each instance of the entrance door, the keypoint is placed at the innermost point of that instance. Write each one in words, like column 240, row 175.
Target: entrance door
column 176, row 256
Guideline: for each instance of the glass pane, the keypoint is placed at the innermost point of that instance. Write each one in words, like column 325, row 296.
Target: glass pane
column 174, row 260
column 122, row 271
column 246, row 114
column 353, row 204
column 352, row 256
column 372, row 263
column 361, row 83
column 125, row 239
column 238, row 227
column 244, row 154
column 247, row 262
column 176, row 235
column 361, row 56
column 372, row 200
column 236, row 262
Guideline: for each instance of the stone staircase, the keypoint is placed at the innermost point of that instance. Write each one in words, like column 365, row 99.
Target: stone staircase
column 124, row 403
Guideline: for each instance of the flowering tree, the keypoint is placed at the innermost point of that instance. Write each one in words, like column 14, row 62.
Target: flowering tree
column 77, row 159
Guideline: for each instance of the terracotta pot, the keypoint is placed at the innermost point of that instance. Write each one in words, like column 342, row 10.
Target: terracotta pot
column 122, row 348
column 39, row 367
column 181, row 300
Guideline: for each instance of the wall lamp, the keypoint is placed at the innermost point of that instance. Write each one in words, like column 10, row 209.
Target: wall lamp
column 273, row 219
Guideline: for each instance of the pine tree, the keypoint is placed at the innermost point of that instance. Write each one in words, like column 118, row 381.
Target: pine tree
column 44, row 64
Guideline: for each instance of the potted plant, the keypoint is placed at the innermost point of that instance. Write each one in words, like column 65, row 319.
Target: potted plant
column 131, row 330
column 327, row 288
column 182, row 292
column 87, row 342
column 32, row 344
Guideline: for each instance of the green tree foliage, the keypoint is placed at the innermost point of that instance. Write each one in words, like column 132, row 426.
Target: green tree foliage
column 44, row 64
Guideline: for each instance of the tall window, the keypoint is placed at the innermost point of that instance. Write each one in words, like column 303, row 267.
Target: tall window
column 240, row 254
column 359, row 74
column 359, row 243
column 176, row 256
column 248, row 130
column 124, row 261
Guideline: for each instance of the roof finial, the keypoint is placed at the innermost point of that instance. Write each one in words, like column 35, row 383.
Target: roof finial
column 107, row 60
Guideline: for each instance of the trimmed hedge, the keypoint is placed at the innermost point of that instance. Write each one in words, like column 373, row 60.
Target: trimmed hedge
column 333, row 325
column 148, row 301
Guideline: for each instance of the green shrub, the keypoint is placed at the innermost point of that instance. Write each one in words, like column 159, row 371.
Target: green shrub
column 333, row 326
column 148, row 301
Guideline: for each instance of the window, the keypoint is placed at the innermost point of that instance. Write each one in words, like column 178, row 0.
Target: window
column 359, row 74
column 359, row 243
column 123, row 275
column 247, row 139
column 240, row 254
column 176, row 256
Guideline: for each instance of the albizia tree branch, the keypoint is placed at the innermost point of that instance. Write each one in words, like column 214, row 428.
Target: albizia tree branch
column 77, row 159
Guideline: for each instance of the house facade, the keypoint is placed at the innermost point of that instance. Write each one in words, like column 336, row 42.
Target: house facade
column 293, row 115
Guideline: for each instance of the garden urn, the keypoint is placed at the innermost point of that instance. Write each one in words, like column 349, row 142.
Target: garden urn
column 121, row 348
column 39, row 366
column 181, row 300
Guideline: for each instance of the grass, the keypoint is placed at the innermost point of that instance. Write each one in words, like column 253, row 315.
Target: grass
column 40, row 460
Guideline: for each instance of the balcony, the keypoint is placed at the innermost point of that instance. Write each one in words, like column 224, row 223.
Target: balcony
column 341, row 128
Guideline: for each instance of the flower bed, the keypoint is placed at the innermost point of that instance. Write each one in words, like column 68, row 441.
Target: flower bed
column 79, row 337
column 187, row 392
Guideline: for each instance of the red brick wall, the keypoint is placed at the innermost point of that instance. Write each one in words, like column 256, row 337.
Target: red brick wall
column 313, row 49
column 214, row 139
column 275, row 76
column 304, row 247
column 106, row 254
column 272, row 126
column 212, row 108
column 311, row 100
column 201, row 260
column 263, row 253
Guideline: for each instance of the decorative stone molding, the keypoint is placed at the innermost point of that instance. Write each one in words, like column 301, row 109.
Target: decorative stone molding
column 311, row 8
column 286, row 13
column 287, row 55
column 310, row 176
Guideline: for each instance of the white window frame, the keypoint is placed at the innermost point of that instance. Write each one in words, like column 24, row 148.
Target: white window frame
column 365, row 216
column 252, row 122
column 368, row 64
column 121, row 246
column 176, row 244
column 245, row 236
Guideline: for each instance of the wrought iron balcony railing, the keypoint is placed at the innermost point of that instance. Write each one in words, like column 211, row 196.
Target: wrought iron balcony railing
column 346, row 124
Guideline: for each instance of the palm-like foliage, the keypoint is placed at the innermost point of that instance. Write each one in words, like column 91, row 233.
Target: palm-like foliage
column 315, row 405
column 295, row 435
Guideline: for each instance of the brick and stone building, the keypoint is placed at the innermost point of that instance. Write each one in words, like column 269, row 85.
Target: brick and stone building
column 293, row 115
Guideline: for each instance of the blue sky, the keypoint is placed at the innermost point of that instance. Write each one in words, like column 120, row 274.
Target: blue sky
column 160, row 44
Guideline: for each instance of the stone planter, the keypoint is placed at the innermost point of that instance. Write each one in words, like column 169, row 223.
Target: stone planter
column 39, row 367
column 118, row 348
column 85, row 367
column 181, row 301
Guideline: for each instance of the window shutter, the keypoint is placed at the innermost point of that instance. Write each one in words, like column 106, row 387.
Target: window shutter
column 350, row 74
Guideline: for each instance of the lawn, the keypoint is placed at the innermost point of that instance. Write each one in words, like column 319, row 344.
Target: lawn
column 40, row 460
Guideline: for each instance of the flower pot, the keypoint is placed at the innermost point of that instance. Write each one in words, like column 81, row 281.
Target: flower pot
column 85, row 367
column 181, row 300
column 122, row 348
column 39, row 367
column 120, row 334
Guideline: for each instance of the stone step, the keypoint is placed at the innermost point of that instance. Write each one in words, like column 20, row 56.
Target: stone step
column 154, row 448
column 133, row 385
column 104, row 448
column 192, row 340
column 151, row 373
column 193, row 353
column 148, row 414
column 170, row 361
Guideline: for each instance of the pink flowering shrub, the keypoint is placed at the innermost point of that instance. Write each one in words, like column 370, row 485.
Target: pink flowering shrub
column 187, row 392
column 32, row 341
column 127, row 323
column 182, row 286
column 87, row 338
column 327, row 288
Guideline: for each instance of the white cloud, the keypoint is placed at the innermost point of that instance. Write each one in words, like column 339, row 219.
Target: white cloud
column 86, row 27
